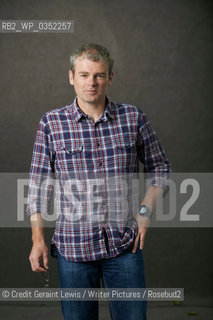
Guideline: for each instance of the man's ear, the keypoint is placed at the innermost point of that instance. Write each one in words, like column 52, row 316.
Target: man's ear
column 71, row 77
column 110, row 78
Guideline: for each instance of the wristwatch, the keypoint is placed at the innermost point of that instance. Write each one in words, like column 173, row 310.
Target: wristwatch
column 145, row 212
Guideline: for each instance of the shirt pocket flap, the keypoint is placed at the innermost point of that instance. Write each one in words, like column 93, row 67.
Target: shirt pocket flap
column 69, row 148
column 123, row 142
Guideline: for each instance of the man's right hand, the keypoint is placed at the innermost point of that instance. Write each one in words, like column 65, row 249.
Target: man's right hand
column 38, row 255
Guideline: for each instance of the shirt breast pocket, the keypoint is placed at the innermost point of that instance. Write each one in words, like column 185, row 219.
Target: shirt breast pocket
column 69, row 157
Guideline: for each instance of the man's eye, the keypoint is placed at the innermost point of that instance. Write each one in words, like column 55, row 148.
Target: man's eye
column 100, row 76
column 83, row 75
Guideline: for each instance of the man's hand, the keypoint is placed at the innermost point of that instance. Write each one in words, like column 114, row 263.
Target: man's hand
column 152, row 195
column 39, row 254
column 143, row 225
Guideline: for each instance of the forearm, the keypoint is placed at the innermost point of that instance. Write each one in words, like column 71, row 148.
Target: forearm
column 36, row 221
column 152, row 195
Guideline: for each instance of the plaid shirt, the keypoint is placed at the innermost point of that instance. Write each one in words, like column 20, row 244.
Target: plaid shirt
column 77, row 151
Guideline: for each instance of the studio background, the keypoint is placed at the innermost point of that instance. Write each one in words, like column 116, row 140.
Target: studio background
column 163, row 64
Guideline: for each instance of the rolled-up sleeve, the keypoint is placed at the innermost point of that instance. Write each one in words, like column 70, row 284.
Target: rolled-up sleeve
column 157, row 168
column 40, row 188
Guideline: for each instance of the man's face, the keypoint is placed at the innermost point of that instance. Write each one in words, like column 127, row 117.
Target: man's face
column 90, row 80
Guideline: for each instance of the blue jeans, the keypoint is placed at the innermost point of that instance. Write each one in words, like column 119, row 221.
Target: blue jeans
column 123, row 271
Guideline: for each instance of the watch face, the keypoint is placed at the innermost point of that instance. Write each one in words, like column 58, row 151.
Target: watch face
column 146, row 212
column 143, row 210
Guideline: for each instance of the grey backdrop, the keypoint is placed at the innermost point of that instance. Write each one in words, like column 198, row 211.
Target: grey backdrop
column 163, row 64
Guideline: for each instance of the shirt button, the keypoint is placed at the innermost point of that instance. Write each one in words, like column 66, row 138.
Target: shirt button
column 98, row 144
column 101, row 163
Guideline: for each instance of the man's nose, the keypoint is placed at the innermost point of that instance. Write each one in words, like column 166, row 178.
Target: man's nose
column 92, row 80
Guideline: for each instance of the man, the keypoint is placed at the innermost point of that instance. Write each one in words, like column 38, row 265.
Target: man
column 94, row 139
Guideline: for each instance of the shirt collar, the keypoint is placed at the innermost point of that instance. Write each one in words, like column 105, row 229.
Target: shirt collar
column 78, row 113
column 109, row 108
column 108, row 112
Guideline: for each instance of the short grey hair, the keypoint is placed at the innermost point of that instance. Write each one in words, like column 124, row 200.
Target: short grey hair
column 94, row 52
